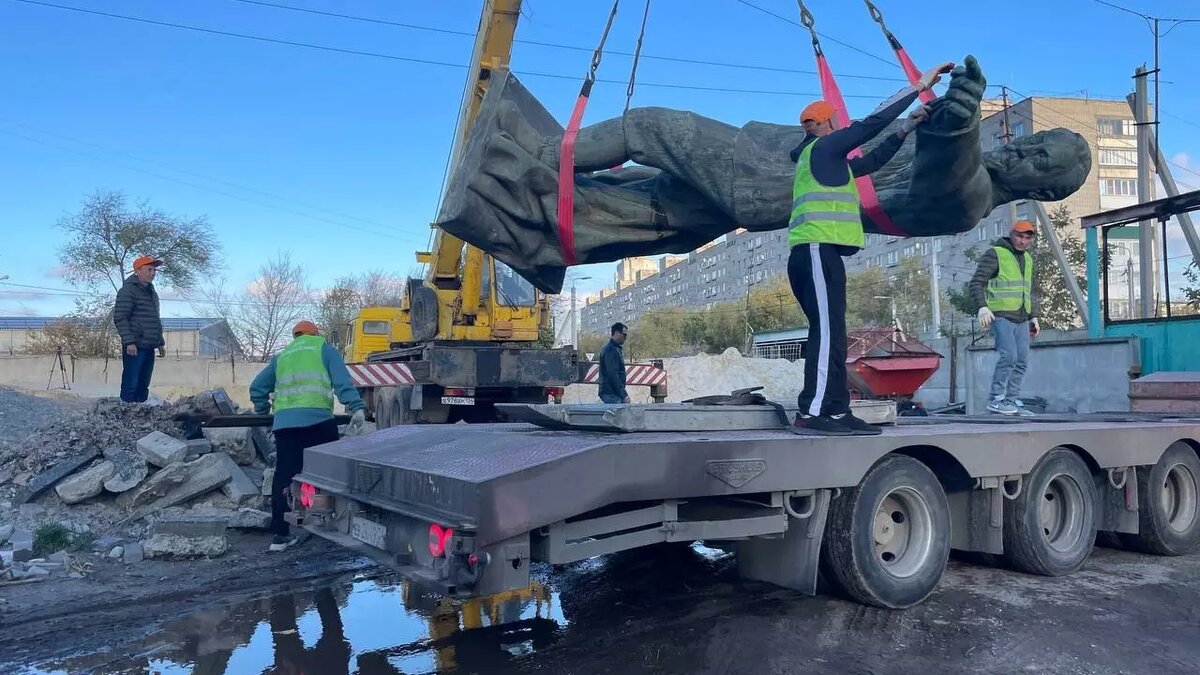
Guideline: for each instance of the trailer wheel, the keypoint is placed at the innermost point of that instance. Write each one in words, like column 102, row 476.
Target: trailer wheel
column 1051, row 526
column 888, row 539
column 1169, row 504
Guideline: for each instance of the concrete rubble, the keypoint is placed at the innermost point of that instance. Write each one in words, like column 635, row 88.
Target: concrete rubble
column 125, row 482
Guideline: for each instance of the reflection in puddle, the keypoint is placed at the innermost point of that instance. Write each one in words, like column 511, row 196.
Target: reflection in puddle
column 367, row 627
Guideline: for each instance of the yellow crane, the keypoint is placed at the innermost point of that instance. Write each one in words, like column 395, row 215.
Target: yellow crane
column 465, row 335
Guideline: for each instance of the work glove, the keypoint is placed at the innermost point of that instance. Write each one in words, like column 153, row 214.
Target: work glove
column 358, row 423
column 986, row 317
column 1034, row 328
column 932, row 77
column 915, row 118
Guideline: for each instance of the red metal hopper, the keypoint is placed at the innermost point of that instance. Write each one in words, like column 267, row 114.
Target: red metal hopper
column 884, row 363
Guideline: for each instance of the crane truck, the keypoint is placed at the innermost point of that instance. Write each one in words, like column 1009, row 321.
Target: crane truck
column 466, row 336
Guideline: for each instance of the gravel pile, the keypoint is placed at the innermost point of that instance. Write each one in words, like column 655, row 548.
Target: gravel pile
column 22, row 414
column 111, row 424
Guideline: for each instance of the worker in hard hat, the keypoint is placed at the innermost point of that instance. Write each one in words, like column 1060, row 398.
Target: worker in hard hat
column 1002, row 289
column 825, row 226
column 304, row 377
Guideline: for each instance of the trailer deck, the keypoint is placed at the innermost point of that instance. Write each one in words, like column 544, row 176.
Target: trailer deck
column 512, row 492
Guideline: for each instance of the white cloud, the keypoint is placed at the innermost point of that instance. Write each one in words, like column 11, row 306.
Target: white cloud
column 1182, row 159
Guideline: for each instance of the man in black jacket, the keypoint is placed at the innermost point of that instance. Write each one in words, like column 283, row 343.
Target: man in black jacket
column 135, row 314
column 612, row 367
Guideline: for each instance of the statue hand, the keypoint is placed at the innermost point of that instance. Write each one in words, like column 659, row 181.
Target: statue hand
column 959, row 107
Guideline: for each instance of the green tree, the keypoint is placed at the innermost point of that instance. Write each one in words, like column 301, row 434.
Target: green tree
column 865, row 305
column 591, row 343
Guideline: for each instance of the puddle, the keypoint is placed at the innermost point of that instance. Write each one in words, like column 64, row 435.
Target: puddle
column 367, row 627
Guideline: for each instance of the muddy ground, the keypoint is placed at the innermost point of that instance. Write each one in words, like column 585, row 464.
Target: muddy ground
column 652, row 611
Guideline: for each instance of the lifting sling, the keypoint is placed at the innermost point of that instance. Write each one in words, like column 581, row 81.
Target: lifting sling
column 833, row 95
column 566, row 155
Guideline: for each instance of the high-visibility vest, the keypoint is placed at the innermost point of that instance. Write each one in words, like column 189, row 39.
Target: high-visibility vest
column 301, row 380
column 823, row 214
column 1012, row 288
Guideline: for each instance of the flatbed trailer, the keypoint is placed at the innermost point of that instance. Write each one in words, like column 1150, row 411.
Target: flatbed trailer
column 467, row 508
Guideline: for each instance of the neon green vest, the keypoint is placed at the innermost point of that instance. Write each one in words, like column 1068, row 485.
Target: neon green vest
column 301, row 380
column 823, row 214
column 1011, row 289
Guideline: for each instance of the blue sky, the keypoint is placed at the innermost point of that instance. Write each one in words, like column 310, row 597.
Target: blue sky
column 338, row 158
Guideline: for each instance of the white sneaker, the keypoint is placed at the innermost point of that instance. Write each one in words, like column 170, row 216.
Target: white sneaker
column 1003, row 407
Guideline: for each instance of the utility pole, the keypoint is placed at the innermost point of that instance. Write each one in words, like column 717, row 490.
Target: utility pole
column 1007, row 136
column 1146, row 239
column 574, row 319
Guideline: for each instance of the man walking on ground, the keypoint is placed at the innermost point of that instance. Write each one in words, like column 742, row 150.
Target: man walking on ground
column 612, row 367
column 1002, row 289
column 825, row 226
column 136, row 316
column 304, row 377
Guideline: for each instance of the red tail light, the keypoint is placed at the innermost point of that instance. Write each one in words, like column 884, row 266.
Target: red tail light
column 555, row 391
column 307, row 494
column 439, row 539
column 454, row 391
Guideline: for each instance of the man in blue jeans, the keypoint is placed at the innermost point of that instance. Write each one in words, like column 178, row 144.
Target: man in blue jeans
column 612, row 367
column 136, row 316
column 1002, row 289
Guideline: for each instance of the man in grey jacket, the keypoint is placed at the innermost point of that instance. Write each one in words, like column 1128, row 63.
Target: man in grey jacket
column 612, row 367
column 1002, row 290
column 136, row 316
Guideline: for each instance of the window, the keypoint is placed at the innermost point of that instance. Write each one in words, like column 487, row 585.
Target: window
column 375, row 327
column 1018, row 129
column 1118, row 156
column 999, row 229
column 892, row 258
column 981, row 233
column 1115, row 126
column 937, row 245
column 1123, row 187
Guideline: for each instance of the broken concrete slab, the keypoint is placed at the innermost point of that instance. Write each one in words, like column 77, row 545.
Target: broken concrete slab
column 268, row 478
column 256, row 474
column 104, row 543
column 233, row 441
column 263, row 444
column 22, row 545
column 176, row 546
column 198, row 446
column 250, row 519
column 158, row 485
column 116, row 552
column 193, row 480
column 133, row 553
column 47, row 479
column 129, row 470
column 32, row 511
column 190, row 525
column 240, row 488
column 160, row 449
column 6, row 531
column 85, row 484
column 58, row 557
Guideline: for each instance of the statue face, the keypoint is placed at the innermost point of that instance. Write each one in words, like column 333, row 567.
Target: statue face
column 1046, row 166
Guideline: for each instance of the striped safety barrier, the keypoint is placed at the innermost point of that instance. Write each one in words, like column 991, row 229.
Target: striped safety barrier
column 636, row 374
column 380, row 374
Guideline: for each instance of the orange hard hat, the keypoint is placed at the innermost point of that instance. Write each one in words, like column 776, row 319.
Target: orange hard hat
column 817, row 111
column 1024, row 226
column 304, row 328
column 144, row 260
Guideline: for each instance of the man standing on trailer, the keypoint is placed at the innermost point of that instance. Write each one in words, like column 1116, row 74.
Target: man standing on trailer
column 304, row 378
column 612, row 366
column 825, row 226
column 1002, row 289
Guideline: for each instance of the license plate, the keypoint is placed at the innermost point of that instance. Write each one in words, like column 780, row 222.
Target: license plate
column 457, row 400
column 369, row 532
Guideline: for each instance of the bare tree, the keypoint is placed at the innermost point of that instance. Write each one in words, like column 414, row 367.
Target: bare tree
column 336, row 308
column 378, row 289
column 106, row 235
column 262, row 315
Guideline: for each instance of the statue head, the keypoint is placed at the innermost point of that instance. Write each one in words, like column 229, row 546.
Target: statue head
column 1045, row 166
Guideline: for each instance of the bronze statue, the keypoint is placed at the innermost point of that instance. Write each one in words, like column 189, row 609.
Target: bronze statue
column 697, row 179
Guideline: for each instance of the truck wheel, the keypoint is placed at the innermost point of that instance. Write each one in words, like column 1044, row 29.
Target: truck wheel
column 1051, row 526
column 888, row 539
column 1168, row 504
column 383, row 398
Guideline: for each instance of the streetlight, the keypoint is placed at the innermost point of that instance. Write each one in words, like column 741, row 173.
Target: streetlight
column 574, row 313
column 895, row 319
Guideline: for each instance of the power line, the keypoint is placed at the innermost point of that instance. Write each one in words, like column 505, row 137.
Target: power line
column 198, row 186
column 831, row 39
column 553, row 45
column 238, row 186
column 395, row 57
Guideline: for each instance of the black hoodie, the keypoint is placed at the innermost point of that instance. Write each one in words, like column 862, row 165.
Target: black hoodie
column 989, row 267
